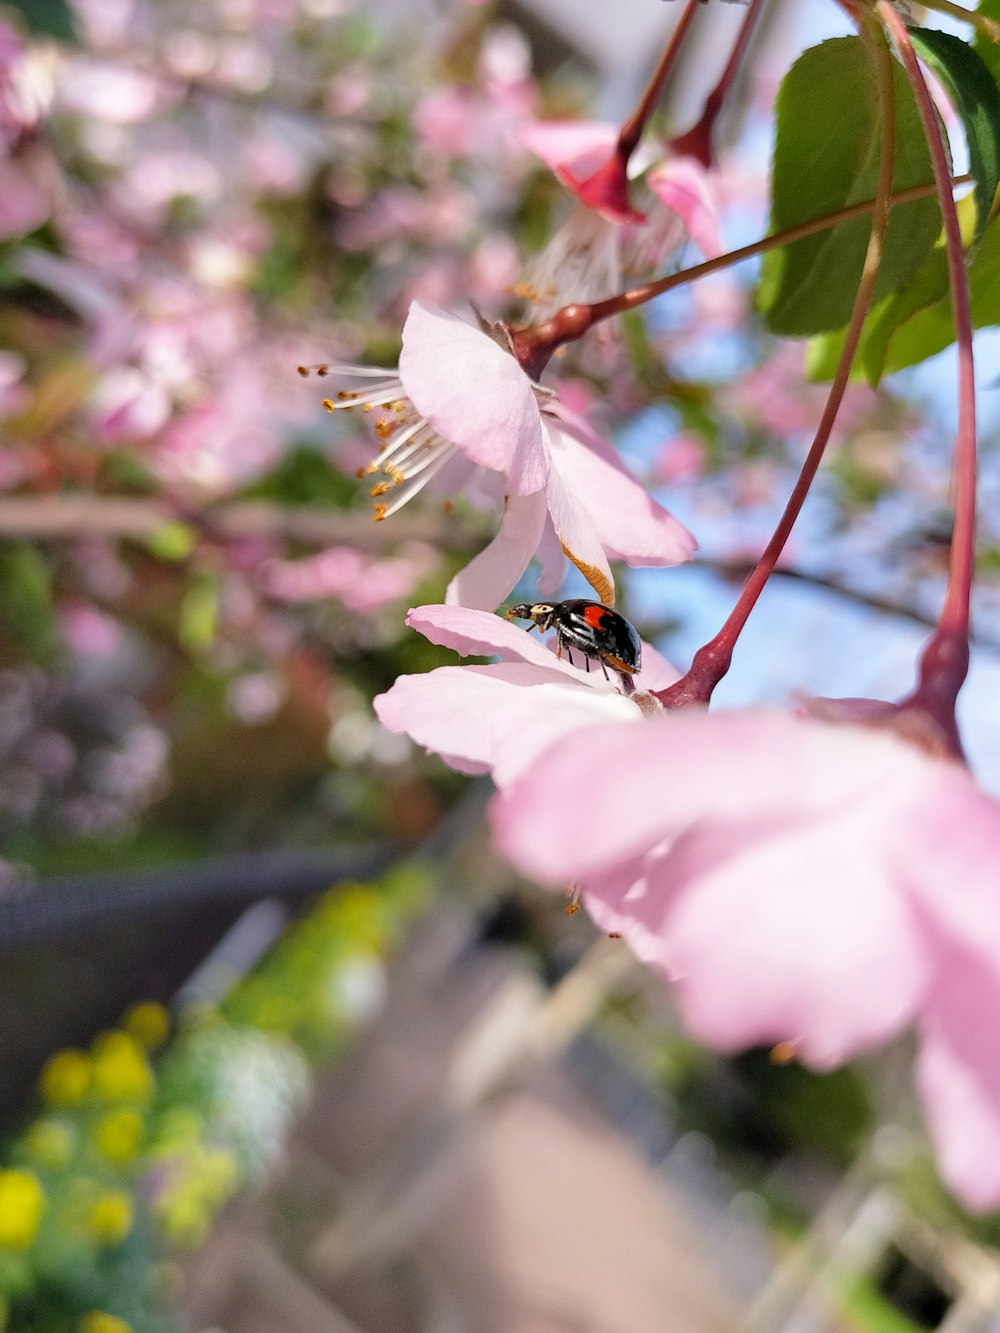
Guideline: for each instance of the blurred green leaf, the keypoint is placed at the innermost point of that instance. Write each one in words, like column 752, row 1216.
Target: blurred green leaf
column 199, row 613
column 173, row 541
column 48, row 18
column 826, row 157
column 304, row 476
column 27, row 611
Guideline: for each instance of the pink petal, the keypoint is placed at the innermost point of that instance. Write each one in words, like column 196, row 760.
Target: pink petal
column 686, row 767
column 657, row 673
column 476, row 633
column 500, row 717
column 580, row 145
column 490, row 576
column 684, row 186
column 795, row 933
column 474, row 394
column 629, row 525
column 574, row 525
column 950, row 863
column 552, row 562
column 24, row 205
column 958, row 1077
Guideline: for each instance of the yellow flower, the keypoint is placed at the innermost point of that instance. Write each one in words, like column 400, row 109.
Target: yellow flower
column 50, row 1142
column 184, row 1218
column 149, row 1023
column 21, row 1205
column 118, row 1134
column 100, row 1322
column 109, row 1219
column 121, row 1072
column 65, row 1078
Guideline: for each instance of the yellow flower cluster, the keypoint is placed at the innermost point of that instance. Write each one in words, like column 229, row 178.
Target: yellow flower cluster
column 109, row 1217
column 97, row 1321
column 120, row 1071
column 65, row 1079
column 21, row 1206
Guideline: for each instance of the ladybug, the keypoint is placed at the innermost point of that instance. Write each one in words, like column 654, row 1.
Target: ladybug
column 590, row 627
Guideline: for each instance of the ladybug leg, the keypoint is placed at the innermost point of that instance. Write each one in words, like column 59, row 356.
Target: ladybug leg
column 604, row 669
column 587, row 661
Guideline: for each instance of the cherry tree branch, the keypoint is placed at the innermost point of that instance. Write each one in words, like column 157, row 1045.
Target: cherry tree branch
column 67, row 517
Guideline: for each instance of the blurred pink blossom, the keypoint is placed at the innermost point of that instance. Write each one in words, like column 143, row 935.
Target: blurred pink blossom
column 682, row 458
column 364, row 583
column 605, row 234
column 89, row 631
column 822, row 886
column 24, row 200
column 106, row 90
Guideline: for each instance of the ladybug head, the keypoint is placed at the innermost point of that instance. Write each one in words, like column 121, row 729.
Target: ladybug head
column 539, row 612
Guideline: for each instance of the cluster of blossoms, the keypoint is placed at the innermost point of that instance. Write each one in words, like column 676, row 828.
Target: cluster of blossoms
column 796, row 878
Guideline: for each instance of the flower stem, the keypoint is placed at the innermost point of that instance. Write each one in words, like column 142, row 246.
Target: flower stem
column 988, row 27
column 533, row 346
column 711, row 662
column 632, row 130
column 945, row 661
column 697, row 141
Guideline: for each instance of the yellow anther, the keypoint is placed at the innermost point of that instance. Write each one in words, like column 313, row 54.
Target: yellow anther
column 381, row 488
column 328, row 406
column 379, row 513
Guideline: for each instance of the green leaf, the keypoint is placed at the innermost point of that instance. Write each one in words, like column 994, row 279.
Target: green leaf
column 928, row 286
column 48, row 18
column 988, row 52
column 826, row 157
column 933, row 328
column 976, row 98
column 917, row 323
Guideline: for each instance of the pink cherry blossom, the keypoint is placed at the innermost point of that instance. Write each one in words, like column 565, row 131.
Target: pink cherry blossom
column 604, row 234
column 364, row 583
column 460, row 397
column 499, row 718
column 798, row 882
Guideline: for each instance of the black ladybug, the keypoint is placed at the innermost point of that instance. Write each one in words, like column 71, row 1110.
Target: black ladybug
column 594, row 629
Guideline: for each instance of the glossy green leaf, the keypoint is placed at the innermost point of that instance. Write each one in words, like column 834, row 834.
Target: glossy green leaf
column 928, row 286
column 826, row 157
column 932, row 328
column 47, row 18
column 976, row 98
column 917, row 322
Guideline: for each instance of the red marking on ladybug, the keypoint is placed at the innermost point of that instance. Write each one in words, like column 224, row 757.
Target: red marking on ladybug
column 599, row 633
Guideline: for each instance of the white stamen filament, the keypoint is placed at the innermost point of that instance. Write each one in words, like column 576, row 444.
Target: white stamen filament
column 417, row 480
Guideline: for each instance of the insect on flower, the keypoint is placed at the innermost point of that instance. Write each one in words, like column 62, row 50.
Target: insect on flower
column 590, row 627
